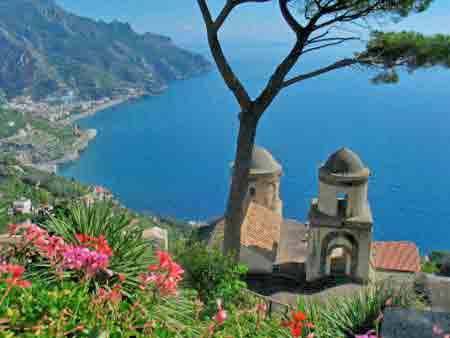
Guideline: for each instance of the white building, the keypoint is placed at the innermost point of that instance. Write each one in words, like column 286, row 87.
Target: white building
column 22, row 207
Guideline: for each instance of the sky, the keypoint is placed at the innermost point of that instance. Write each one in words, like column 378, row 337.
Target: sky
column 181, row 19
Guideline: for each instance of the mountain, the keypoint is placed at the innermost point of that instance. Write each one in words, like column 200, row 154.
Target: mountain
column 46, row 50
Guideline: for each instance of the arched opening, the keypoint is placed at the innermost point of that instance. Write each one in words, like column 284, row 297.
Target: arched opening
column 339, row 255
column 339, row 262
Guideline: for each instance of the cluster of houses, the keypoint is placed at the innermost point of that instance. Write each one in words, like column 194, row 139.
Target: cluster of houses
column 56, row 108
column 24, row 206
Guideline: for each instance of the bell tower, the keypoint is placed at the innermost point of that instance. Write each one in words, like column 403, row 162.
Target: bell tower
column 264, row 180
column 340, row 220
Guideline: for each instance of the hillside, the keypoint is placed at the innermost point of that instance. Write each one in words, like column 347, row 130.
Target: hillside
column 35, row 141
column 46, row 50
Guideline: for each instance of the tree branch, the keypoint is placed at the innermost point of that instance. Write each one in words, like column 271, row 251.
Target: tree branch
column 207, row 18
column 335, row 42
column 229, row 6
column 289, row 18
column 340, row 64
column 230, row 78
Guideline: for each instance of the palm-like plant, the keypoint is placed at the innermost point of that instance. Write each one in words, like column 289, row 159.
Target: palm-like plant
column 131, row 252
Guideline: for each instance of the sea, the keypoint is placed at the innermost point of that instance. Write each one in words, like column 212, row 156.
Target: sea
column 170, row 154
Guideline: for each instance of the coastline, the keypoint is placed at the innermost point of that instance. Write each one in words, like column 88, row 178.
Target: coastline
column 101, row 107
column 88, row 135
column 73, row 155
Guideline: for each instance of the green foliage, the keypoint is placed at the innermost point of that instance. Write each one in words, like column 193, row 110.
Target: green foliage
column 430, row 267
column 438, row 257
column 211, row 273
column 246, row 323
column 439, row 263
column 69, row 309
column 347, row 316
column 132, row 253
column 10, row 121
column 17, row 181
column 409, row 49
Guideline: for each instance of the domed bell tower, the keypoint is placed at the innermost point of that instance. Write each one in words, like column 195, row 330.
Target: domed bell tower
column 341, row 220
column 264, row 180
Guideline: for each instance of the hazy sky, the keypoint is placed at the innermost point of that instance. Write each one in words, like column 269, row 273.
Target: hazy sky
column 181, row 19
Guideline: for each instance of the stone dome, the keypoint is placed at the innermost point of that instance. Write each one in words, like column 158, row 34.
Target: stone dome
column 344, row 165
column 344, row 162
column 263, row 162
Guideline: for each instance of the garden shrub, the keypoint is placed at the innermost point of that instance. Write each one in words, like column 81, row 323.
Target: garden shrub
column 158, row 308
column 70, row 309
column 210, row 272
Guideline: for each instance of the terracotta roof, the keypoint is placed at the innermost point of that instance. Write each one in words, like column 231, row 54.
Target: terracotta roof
column 396, row 256
column 293, row 245
column 261, row 228
column 100, row 190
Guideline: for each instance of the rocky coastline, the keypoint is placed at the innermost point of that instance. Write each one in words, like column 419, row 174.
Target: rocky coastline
column 73, row 155
column 87, row 135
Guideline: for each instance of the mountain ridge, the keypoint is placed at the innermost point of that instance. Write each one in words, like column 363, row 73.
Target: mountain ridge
column 47, row 50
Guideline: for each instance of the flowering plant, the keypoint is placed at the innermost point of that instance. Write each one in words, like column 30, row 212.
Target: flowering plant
column 164, row 276
column 297, row 324
column 89, row 258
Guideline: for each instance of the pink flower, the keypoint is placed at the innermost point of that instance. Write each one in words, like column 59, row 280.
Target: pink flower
column 163, row 276
column 437, row 329
column 221, row 315
column 389, row 302
column 81, row 258
column 261, row 308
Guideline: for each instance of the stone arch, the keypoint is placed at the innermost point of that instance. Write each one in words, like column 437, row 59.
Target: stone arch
column 351, row 248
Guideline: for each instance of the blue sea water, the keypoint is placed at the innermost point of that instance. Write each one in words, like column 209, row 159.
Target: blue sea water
column 170, row 154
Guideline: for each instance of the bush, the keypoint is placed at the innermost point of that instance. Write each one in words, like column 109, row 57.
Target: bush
column 211, row 273
column 68, row 309
column 430, row 267
column 131, row 253
column 440, row 260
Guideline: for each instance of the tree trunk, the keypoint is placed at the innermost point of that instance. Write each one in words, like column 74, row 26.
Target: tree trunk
column 236, row 207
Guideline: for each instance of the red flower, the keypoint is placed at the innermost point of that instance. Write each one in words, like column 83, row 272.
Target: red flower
column 122, row 277
column 297, row 323
column 16, row 271
column 298, row 316
column 296, row 331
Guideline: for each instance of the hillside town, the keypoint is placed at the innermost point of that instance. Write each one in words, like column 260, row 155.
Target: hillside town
column 67, row 107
